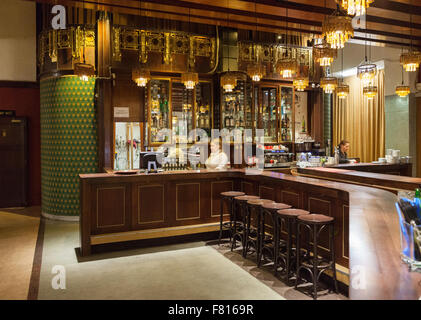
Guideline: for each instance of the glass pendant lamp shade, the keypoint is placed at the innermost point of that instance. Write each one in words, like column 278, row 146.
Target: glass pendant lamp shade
column 329, row 84
column 324, row 54
column 337, row 29
column 190, row 79
column 366, row 71
column 287, row 67
column 228, row 81
column 355, row 7
column 342, row 91
column 300, row 83
column 402, row 91
column 370, row 92
column 141, row 76
column 256, row 71
column 411, row 60
column 84, row 71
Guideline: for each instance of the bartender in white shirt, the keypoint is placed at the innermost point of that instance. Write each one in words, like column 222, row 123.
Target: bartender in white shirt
column 217, row 160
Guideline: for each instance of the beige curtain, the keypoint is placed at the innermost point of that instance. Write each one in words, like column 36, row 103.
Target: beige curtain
column 361, row 121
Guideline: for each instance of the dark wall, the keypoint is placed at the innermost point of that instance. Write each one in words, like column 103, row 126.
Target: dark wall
column 25, row 100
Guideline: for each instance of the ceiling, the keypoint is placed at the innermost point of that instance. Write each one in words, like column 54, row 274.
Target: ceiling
column 387, row 21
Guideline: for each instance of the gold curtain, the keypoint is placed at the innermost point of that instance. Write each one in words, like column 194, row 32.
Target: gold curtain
column 361, row 121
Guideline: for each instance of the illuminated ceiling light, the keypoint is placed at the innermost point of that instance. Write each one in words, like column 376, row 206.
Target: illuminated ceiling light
column 228, row 81
column 256, row 71
column 190, row 79
column 324, row 54
column 337, row 29
column 300, row 83
column 411, row 60
column 357, row 7
column 84, row 71
column 329, row 84
column 366, row 71
column 370, row 92
column 287, row 67
column 342, row 91
column 402, row 91
column 140, row 76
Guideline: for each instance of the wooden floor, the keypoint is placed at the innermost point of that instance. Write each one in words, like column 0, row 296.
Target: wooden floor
column 18, row 237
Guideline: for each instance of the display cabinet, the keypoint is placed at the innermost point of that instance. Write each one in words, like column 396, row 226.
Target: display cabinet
column 203, row 105
column 127, row 145
column 287, row 115
column 269, row 113
column 182, row 112
column 159, row 110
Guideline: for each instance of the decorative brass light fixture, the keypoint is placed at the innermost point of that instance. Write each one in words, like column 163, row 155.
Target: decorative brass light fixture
column 140, row 75
column 190, row 79
column 84, row 70
column 411, row 60
column 287, row 66
column 256, row 70
column 337, row 29
column 300, row 83
column 366, row 70
column 370, row 92
column 228, row 81
column 357, row 7
column 324, row 54
column 342, row 90
column 402, row 90
column 329, row 84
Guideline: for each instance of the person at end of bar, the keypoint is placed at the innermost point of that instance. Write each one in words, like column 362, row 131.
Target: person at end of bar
column 343, row 149
column 218, row 159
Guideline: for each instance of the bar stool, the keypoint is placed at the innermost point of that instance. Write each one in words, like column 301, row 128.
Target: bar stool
column 317, row 265
column 251, row 232
column 240, row 207
column 227, row 196
column 270, row 242
column 289, row 216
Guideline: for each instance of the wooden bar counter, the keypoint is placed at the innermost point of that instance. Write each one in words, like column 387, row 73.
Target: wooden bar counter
column 119, row 208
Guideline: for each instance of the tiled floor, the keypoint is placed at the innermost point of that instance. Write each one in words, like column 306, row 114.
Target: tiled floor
column 195, row 270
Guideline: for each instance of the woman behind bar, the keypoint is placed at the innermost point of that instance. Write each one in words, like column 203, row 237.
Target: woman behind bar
column 217, row 160
column 343, row 149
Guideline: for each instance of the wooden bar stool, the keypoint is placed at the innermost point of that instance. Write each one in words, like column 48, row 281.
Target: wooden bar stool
column 227, row 196
column 316, row 265
column 289, row 216
column 252, row 232
column 240, row 208
column 270, row 242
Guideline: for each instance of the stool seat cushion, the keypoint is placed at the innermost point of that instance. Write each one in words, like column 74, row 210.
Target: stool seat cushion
column 246, row 198
column 275, row 206
column 259, row 202
column 293, row 212
column 232, row 194
column 316, row 218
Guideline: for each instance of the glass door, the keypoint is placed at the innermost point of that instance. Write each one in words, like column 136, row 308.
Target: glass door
column 159, row 114
column 182, row 104
column 203, row 106
column 270, row 114
column 287, row 116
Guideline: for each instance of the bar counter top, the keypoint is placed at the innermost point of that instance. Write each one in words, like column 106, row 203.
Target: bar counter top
column 376, row 269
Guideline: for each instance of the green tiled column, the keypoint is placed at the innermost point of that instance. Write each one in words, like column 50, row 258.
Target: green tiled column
column 68, row 142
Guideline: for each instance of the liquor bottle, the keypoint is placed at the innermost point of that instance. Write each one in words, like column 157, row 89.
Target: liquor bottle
column 303, row 125
column 226, row 121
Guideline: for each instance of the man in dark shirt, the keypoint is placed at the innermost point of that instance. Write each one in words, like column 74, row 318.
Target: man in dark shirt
column 343, row 149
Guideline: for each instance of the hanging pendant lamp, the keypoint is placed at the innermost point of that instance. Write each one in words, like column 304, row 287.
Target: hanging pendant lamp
column 190, row 79
column 287, row 66
column 355, row 7
column 337, row 29
column 84, row 70
column 141, row 75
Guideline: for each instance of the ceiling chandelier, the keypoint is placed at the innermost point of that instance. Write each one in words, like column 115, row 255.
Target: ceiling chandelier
column 324, row 54
column 402, row 90
column 411, row 60
column 84, row 70
column 287, row 66
column 329, row 84
column 337, row 29
column 140, row 76
column 342, row 90
column 366, row 70
column 370, row 92
column 228, row 81
column 256, row 71
column 357, row 7
column 190, row 79
column 300, row 83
